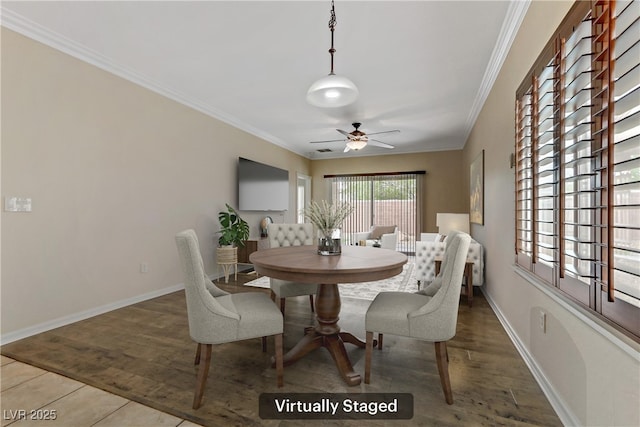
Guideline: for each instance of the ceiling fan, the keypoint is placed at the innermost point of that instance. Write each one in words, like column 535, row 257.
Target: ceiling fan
column 357, row 140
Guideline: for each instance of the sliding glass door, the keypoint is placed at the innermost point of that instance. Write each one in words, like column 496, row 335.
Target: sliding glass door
column 381, row 199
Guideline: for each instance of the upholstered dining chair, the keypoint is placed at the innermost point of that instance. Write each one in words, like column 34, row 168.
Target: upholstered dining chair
column 217, row 317
column 429, row 315
column 282, row 235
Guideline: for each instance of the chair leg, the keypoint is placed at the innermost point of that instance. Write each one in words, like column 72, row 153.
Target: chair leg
column 196, row 362
column 279, row 360
column 379, row 341
column 367, row 357
column 282, row 300
column 203, row 372
column 311, row 302
column 443, row 370
column 264, row 344
column 273, row 296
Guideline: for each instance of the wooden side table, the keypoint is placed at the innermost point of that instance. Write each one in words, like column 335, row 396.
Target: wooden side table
column 250, row 246
column 467, row 275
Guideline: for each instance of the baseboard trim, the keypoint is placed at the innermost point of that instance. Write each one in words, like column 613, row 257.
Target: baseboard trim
column 567, row 417
column 76, row 317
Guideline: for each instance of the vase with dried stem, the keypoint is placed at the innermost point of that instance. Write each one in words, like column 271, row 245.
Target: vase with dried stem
column 328, row 219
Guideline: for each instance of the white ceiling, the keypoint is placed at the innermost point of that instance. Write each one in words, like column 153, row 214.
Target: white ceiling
column 423, row 67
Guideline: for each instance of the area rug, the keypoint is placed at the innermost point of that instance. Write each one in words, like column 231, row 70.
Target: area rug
column 403, row 282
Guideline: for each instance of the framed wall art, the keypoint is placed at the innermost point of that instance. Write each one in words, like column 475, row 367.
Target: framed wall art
column 476, row 190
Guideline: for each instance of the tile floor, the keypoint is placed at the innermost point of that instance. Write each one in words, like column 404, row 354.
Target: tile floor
column 33, row 396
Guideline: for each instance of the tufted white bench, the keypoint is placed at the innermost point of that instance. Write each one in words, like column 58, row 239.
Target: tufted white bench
column 426, row 252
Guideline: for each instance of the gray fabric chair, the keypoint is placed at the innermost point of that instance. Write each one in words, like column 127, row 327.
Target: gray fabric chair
column 282, row 235
column 217, row 317
column 429, row 315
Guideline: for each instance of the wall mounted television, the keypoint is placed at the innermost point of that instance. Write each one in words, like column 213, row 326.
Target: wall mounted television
column 262, row 187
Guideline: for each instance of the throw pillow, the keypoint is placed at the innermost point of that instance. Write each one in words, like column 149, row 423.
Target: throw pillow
column 378, row 230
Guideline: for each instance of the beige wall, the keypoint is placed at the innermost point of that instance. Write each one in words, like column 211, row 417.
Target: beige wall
column 114, row 171
column 597, row 380
column 445, row 188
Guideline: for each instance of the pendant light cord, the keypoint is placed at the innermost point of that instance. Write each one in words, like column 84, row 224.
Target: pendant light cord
column 332, row 27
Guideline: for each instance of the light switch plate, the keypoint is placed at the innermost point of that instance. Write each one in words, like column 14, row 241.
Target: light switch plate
column 17, row 204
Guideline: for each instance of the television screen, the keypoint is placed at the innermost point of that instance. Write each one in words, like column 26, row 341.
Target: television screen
column 262, row 187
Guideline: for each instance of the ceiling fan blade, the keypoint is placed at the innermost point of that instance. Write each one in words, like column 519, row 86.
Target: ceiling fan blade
column 386, row 131
column 344, row 132
column 330, row 140
column 377, row 143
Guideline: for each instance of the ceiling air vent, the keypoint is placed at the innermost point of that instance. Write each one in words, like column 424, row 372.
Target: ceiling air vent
column 324, row 150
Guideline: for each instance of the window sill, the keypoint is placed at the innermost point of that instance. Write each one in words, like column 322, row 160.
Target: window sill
column 617, row 338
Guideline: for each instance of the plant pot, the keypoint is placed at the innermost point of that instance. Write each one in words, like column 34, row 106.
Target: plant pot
column 227, row 254
column 227, row 257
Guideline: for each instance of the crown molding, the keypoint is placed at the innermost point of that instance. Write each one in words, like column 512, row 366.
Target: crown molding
column 510, row 26
column 37, row 32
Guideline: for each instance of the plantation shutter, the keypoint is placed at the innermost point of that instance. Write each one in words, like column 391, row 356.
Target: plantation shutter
column 576, row 270
column 619, row 137
column 545, row 174
column 524, row 180
column 578, row 161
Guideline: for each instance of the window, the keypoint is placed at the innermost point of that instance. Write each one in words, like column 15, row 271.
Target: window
column 381, row 199
column 578, row 162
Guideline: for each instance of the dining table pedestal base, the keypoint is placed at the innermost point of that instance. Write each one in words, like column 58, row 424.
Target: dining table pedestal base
column 327, row 334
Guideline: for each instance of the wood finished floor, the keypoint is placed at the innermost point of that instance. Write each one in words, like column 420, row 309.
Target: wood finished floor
column 143, row 353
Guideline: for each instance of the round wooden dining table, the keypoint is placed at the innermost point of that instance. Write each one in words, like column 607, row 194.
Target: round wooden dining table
column 303, row 264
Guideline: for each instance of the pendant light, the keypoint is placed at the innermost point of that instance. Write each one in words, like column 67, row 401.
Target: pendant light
column 333, row 90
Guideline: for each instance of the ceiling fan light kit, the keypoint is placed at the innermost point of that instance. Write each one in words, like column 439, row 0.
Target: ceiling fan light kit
column 332, row 91
column 356, row 144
